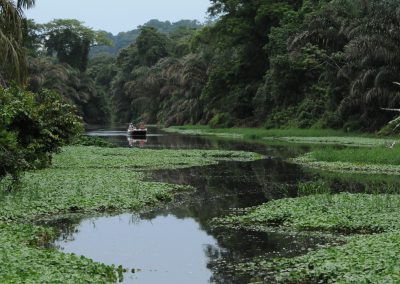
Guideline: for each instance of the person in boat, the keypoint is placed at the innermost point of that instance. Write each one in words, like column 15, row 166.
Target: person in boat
column 131, row 127
column 141, row 125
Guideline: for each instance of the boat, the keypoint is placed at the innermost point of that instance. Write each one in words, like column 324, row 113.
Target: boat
column 138, row 132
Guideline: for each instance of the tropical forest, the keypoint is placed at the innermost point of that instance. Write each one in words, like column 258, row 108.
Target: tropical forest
column 241, row 142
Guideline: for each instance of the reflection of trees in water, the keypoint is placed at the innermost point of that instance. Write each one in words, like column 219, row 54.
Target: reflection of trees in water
column 232, row 185
column 67, row 227
column 235, row 185
column 237, row 246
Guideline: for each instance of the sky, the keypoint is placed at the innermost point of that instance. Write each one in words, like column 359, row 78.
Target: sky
column 118, row 15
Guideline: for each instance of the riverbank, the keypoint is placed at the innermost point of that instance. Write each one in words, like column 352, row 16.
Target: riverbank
column 365, row 153
column 375, row 160
column 295, row 135
column 84, row 180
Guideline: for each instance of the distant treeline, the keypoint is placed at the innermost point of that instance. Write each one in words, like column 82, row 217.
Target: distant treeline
column 124, row 39
column 310, row 63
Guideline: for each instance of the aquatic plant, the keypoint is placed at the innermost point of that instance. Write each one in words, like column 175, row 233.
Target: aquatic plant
column 24, row 260
column 344, row 213
column 86, row 180
column 363, row 259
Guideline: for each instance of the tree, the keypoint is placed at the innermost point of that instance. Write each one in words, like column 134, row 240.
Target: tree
column 239, row 37
column 71, row 41
column 151, row 46
column 74, row 86
column 12, row 57
column 373, row 64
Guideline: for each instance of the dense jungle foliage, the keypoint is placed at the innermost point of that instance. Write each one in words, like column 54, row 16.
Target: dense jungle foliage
column 32, row 125
column 275, row 63
column 78, row 62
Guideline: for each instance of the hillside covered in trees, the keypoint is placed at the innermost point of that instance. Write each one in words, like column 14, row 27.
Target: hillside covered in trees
column 274, row 64
column 263, row 63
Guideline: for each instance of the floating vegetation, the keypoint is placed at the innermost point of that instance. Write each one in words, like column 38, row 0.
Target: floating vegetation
column 83, row 180
column 22, row 260
column 143, row 159
column 342, row 213
column 363, row 259
column 363, row 225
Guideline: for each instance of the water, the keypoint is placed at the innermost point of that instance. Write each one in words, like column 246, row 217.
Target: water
column 160, row 249
column 158, row 139
column 177, row 244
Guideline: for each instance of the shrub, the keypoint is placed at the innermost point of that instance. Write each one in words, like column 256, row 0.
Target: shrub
column 32, row 127
column 221, row 120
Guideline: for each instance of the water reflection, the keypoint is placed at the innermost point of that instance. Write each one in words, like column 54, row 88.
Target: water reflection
column 163, row 250
column 158, row 139
column 140, row 143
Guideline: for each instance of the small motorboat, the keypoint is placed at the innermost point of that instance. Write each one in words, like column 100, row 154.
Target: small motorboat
column 137, row 132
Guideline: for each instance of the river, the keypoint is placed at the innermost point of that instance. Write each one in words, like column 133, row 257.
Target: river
column 176, row 244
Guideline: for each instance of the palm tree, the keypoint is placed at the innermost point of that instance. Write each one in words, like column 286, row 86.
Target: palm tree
column 12, row 56
column 364, row 36
column 373, row 64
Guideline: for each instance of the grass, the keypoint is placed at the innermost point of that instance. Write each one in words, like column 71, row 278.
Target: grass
column 262, row 131
column 256, row 132
column 376, row 155
column 356, row 183
column 376, row 160
column 85, row 180
column 331, row 140
column 292, row 135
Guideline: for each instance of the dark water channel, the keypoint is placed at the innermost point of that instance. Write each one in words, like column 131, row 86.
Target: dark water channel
column 177, row 244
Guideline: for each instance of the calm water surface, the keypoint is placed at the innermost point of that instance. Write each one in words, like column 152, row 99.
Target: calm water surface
column 176, row 244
